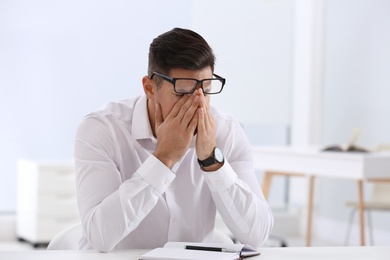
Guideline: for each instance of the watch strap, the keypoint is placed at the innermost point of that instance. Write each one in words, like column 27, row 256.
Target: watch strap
column 210, row 160
column 207, row 162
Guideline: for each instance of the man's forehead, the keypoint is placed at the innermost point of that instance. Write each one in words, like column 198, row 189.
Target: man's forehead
column 197, row 74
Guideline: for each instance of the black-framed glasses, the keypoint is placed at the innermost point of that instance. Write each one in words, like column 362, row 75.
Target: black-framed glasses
column 188, row 85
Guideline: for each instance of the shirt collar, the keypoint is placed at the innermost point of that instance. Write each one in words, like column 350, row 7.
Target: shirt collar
column 141, row 128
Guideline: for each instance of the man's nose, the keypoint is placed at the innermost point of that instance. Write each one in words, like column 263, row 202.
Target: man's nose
column 198, row 86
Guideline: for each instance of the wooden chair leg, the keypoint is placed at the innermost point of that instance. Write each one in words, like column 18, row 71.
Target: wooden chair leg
column 361, row 212
column 267, row 183
column 310, row 210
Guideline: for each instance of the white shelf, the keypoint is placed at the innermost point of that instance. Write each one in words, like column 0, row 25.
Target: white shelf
column 46, row 200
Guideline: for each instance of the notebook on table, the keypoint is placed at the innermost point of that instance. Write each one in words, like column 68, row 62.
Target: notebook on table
column 200, row 251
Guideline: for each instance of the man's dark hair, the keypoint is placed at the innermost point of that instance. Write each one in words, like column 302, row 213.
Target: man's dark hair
column 179, row 49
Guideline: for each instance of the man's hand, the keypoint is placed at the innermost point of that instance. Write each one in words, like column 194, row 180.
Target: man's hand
column 206, row 138
column 175, row 133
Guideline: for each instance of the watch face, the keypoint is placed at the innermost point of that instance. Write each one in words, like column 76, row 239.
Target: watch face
column 218, row 154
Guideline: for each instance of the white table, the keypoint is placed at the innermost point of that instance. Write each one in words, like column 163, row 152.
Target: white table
column 312, row 162
column 271, row 253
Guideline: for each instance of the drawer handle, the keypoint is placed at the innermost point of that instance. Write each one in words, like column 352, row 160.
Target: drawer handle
column 66, row 197
column 64, row 220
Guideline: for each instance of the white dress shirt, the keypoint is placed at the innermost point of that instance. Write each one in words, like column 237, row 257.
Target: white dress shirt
column 128, row 199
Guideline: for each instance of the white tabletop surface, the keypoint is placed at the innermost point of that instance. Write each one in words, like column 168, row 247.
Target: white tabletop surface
column 272, row 253
column 311, row 160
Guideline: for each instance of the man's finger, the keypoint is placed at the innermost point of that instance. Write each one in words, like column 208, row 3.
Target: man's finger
column 201, row 125
column 205, row 111
column 158, row 116
column 193, row 123
column 178, row 106
column 189, row 110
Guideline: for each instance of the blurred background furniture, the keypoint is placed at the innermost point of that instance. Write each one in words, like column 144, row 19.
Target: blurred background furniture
column 379, row 201
column 46, row 202
column 310, row 161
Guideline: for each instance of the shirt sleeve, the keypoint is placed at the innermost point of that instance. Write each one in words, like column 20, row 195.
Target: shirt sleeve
column 237, row 194
column 109, row 208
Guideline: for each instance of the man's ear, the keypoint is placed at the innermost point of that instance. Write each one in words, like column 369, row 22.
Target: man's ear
column 149, row 87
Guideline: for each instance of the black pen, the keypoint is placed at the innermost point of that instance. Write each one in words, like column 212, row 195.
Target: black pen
column 208, row 248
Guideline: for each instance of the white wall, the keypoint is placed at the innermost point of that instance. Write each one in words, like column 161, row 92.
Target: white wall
column 252, row 41
column 62, row 59
column 357, row 71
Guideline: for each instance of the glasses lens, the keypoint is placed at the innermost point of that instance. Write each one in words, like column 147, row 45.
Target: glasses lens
column 212, row 86
column 185, row 85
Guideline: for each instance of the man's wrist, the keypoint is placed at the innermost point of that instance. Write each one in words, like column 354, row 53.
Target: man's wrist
column 169, row 163
column 213, row 162
column 213, row 168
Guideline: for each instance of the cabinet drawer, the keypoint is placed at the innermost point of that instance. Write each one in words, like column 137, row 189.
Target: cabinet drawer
column 61, row 181
column 58, row 205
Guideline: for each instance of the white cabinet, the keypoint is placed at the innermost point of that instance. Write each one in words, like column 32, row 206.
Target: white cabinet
column 46, row 200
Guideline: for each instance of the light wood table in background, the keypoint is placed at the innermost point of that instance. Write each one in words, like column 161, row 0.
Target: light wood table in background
column 312, row 162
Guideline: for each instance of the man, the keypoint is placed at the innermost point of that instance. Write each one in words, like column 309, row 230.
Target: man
column 156, row 168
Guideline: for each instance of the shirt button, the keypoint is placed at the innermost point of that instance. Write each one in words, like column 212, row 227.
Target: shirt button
column 174, row 220
column 166, row 183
